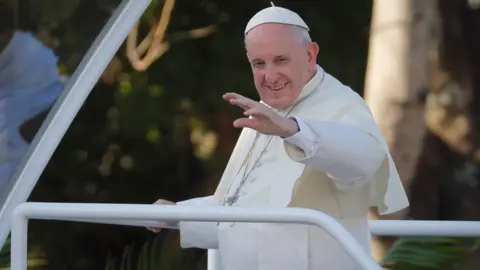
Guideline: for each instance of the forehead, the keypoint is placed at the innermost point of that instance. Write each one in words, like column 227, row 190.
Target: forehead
column 269, row 40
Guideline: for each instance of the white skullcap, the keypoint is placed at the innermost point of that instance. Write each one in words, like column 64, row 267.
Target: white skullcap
column 275, row 14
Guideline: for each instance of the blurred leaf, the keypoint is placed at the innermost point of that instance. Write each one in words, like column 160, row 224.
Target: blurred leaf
column 50, row 12
column 155, row 254
column 35, row 257
column 429, row 253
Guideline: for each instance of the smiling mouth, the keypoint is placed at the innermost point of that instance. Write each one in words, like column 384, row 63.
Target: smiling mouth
column 277, row 87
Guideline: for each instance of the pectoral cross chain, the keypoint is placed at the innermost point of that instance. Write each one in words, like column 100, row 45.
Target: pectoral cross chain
column 231, row 200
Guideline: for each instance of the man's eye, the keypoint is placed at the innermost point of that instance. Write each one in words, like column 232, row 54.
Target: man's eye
column 257, row 64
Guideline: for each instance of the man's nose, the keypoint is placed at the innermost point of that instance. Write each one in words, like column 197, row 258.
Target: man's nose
column 271, row 75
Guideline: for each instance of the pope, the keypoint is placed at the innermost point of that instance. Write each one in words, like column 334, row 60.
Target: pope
column 310, row 142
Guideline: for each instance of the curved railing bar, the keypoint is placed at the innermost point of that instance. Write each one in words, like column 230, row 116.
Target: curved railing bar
column 89, row 211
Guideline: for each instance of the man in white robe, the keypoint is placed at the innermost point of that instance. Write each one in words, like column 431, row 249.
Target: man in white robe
column 312, row 143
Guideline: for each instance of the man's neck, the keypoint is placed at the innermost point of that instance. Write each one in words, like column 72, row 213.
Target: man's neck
column 311, row 75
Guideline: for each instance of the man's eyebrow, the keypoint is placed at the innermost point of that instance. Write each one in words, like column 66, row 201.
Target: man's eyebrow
column 256, row 60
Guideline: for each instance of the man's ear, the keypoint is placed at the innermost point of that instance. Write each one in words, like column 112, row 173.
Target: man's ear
column 312, row 52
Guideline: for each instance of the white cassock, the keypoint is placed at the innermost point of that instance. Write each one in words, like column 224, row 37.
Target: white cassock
column 338, row 163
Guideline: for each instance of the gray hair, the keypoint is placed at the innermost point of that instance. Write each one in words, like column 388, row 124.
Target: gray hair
column 300, row 35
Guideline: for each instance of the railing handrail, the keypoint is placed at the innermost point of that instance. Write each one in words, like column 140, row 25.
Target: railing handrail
column 66, row 211
column 150, row 215
column 425, row 228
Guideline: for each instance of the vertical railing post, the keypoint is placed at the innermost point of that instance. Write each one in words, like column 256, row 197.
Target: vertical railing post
column 213, row 260
column 19, row 247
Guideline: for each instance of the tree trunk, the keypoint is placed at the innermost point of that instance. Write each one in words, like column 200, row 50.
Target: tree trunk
column 446, row 186
column 396, row 85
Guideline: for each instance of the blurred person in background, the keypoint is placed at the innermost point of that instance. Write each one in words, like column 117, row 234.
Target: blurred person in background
column 29, row 85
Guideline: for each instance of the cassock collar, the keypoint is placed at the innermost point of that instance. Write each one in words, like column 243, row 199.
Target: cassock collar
column 309, row 87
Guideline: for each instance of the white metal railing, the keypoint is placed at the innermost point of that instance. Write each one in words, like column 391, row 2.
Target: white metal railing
column 76, row 91
column 400, row 228
column 425, row 228
column 143, row 215
column 151, row 215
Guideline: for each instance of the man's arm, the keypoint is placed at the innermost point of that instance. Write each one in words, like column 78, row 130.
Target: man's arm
column 342, row 149
column 198, row 234
column 346, row 153
column 193, row 234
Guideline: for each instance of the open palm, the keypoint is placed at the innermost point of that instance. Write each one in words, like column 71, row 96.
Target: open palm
column 260, row 117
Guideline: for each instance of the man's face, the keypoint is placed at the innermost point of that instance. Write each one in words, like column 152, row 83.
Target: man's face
column 281, row 64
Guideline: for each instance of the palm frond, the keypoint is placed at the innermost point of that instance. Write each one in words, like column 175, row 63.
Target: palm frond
column 154, row 254
column 429, row 253
column 36, row 258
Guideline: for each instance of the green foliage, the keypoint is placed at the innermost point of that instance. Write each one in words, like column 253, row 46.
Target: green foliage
column 35, row 257
column 155, row 254
column 430, row 253
column 51, row 12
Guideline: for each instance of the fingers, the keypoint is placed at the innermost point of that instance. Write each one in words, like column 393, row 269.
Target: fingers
column 153, row 229
column 244, row 103
column 246, row 123
column 159, row 202
column 162, row 201
column 256, row 111
column 229, row 96
column 240, row 101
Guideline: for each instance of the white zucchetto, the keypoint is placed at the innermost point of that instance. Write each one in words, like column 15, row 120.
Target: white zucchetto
column 275, row 14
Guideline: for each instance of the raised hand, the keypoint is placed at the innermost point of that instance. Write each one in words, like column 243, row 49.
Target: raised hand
column 260, row 117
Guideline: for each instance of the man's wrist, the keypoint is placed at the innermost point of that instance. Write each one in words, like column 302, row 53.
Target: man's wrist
column 291, row 127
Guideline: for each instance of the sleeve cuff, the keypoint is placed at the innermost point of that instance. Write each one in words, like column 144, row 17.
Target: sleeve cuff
column 304, row 139
column 198, row 234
